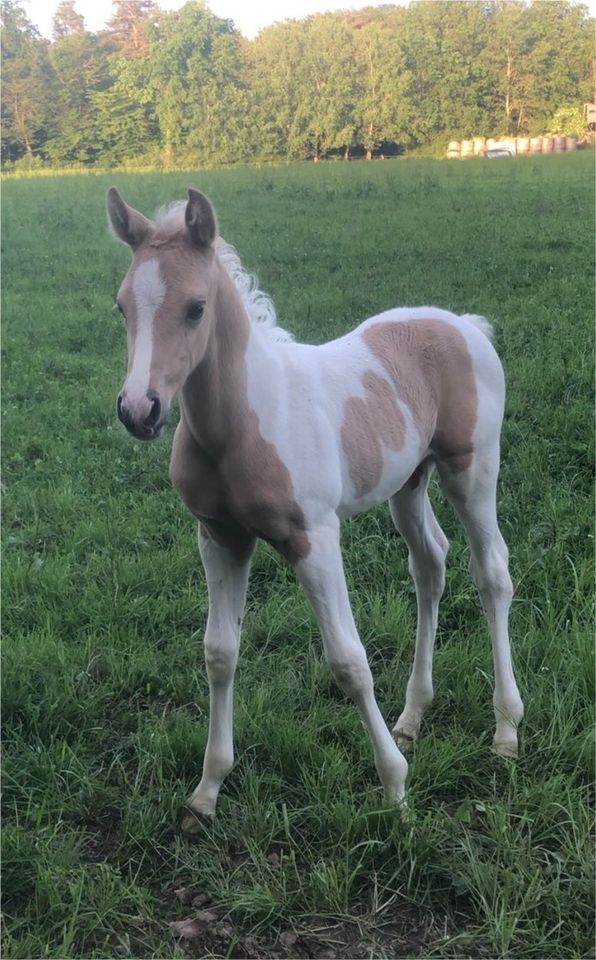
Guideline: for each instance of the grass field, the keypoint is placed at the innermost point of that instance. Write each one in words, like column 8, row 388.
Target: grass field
column 104, row 692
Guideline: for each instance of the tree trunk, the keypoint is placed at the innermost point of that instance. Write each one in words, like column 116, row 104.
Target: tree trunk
column 508, row 93
column 168, row 156
column 369, row 150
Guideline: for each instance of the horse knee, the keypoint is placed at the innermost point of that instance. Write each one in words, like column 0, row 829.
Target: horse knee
column 351, row 672
column 220, row 660
column 490, row 573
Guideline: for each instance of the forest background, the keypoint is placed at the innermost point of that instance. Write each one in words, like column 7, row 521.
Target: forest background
column 185, row 88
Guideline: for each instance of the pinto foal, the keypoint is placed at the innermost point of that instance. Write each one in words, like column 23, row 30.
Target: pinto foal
column 281, row 440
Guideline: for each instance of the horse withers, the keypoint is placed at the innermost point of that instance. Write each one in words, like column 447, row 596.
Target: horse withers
column 281, row 440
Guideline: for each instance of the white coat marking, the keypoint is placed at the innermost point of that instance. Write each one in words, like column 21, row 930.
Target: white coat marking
column 149, row 292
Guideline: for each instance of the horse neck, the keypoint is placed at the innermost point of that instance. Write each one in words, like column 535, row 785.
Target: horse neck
column 214, row 397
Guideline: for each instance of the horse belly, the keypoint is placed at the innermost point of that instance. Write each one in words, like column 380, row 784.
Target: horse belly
column 396, row 469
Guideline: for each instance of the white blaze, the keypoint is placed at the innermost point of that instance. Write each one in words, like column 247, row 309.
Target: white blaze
column 149, row 291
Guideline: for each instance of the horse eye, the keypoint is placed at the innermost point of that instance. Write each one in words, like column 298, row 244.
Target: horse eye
column 195, row 311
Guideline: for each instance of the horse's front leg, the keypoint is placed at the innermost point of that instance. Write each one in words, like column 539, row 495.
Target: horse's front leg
column 227, row 564
column 322, row 576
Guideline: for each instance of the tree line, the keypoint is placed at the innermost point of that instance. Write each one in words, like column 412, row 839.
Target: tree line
column 185, row 87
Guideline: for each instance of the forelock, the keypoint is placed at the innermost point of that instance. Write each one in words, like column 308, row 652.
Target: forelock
column 170, row 217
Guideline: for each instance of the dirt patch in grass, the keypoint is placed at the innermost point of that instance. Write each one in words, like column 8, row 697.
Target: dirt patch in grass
column 206, row 932
column 102, row 836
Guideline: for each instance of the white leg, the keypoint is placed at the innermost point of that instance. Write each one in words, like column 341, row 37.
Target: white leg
column 226, row 572
column 473, row 494
column 427, row 545
column 322, row 577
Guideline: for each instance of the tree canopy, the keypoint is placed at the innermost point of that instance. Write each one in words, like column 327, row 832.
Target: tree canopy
column 168, row 88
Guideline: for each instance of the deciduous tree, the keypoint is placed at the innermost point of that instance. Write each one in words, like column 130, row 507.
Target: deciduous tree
column 196, row 76
column 381, row 107
column 187, row 84
column 25, row 85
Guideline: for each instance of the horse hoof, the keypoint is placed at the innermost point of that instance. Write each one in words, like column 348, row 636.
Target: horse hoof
column 405, row 734
column 194, row 823
column 506, row 748
column 403, row 740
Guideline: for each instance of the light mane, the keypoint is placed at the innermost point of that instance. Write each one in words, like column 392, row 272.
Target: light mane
column 259, row 305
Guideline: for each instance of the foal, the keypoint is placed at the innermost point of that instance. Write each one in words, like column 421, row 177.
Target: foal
column 281, row 440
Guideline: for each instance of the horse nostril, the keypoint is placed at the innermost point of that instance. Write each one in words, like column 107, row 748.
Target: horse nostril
column 119, row 411
column 154, row 413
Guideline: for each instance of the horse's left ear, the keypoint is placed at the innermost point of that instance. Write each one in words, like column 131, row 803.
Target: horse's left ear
column 200, row 219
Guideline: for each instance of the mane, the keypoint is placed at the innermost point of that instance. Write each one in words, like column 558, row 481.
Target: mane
column 259, row 306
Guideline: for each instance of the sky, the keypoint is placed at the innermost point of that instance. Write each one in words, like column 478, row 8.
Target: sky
column 249, row 16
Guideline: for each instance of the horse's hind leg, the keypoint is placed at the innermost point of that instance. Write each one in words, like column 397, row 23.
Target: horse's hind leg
column 473, row 494
column 427, row 545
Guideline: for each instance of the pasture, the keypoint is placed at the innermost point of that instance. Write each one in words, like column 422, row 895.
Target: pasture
column 104, row 691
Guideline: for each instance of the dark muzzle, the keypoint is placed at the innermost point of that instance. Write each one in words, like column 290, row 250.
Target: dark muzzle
column 149, row 426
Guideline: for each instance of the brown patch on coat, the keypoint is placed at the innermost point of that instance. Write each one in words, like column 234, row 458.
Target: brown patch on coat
column 430, row 364
column 226, row 472
column 369, row 423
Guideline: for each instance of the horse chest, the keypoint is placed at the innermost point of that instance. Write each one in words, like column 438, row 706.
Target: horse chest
column 242, row 489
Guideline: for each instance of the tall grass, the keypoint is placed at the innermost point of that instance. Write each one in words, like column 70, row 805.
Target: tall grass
column 105, row 699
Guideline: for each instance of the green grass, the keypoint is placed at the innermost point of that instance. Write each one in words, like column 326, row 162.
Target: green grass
column 105, row 698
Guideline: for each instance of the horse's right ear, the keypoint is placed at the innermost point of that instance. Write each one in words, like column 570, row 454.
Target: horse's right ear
column 127, row 224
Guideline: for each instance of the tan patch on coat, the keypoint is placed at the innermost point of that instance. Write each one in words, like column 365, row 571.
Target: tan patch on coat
column 370, row 422
column 226, row 472
column 431, row 367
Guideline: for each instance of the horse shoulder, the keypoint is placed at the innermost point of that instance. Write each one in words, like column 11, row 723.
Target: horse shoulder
column 194, row 476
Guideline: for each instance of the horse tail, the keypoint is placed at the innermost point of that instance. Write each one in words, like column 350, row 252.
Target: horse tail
column 481, row 323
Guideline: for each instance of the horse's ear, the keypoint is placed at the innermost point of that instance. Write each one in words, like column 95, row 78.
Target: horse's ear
column 127, row 224
column 200, row 219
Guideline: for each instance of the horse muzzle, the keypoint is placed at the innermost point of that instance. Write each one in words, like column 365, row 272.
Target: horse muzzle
column 144, row 419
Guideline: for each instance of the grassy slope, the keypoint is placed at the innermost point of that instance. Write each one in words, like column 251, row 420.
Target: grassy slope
column 104, row 692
